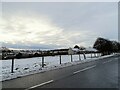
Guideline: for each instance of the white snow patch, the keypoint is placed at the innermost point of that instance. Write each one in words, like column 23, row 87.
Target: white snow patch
column 23, row 67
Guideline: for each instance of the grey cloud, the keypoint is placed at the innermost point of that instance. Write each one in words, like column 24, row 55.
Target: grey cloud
column 31, row 46
column 81, row 23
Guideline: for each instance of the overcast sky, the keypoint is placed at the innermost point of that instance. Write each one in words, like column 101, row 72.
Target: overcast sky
column 57, row 25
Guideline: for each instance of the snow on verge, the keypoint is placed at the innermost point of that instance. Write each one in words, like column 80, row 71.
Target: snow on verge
column 23, row 67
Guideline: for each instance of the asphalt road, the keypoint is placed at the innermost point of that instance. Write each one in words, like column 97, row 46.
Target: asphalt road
column 102, row 73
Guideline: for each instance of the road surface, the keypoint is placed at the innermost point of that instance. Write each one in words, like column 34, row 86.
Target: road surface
column 102, row 73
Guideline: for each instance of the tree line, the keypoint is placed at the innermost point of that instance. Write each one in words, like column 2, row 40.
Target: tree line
column 106, row 46
column 103, row 46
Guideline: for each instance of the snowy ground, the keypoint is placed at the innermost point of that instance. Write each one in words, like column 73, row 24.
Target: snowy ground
column 28, row 66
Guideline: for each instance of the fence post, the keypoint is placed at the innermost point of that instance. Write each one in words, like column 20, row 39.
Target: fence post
column 94, row 55
column 60, row 59
column 91, row 55
column 79, row 57
column 12, row 68
column 71, row 58
column 84, row 55
column 42, row 61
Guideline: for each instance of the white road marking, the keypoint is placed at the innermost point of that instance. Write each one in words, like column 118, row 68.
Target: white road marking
column 107, row 61
column 116, row 58
column 40, row 84
column 84, row 69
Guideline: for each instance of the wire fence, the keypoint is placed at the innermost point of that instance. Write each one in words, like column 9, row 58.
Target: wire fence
column 48, row 60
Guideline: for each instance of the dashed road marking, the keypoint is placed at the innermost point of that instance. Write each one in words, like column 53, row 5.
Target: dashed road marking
column 107, row 61
column 84, row 69
column 116, row 58
column 40, row 84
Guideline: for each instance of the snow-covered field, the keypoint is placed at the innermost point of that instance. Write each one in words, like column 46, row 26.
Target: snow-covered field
column 28, row 66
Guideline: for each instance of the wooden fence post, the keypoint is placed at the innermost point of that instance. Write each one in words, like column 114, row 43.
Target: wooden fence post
column 84, row 55
column 91, row 55
column 12, row 68
column 60, row 59
column 71, row 58
column 42, row 61
column 94, row 55
column 79, row 57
